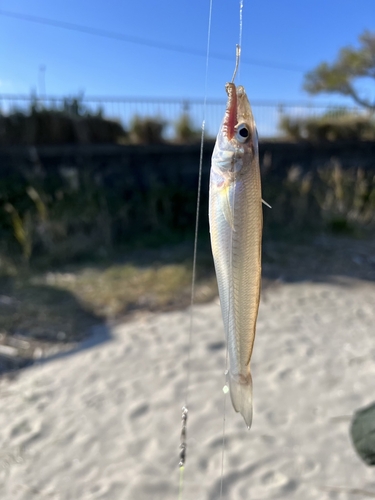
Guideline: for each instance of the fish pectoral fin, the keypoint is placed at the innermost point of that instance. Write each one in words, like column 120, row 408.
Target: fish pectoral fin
column 265, row 203
column 227, row 208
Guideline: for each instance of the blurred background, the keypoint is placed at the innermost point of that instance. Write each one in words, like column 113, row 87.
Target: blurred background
column 101, row 110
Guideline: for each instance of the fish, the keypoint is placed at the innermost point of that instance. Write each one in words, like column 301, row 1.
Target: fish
column 236, row 226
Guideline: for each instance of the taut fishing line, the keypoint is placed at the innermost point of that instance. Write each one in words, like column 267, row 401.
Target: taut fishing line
column 240, row 36
column 226, row 388
column 184, row 416
column 185, row 410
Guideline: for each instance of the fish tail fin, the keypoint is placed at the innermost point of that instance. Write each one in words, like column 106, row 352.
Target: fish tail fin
column 241, row 393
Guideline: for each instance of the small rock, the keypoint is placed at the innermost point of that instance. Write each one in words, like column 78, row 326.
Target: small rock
column 61, row 336
column 6, row 301
column 363, row 433
column 357, row 259
column 7, row 350
column 19, row 343
column 38, row 353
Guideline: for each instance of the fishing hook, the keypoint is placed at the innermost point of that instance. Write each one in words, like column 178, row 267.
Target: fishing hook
column 238, row 55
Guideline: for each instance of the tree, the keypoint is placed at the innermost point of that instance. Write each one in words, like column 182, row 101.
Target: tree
column 340, row 77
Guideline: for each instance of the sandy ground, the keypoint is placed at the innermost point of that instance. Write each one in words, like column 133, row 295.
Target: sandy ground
column 104, row 422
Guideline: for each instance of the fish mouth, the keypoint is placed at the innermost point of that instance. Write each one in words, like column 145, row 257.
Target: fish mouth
column 230, row 117
column 238, row 110
column 244, row 112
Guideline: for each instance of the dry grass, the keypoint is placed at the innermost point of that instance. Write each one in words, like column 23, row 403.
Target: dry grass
column 116, row 290
column 43, row 312
column 61, row 304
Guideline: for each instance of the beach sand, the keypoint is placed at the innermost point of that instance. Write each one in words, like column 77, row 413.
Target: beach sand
column 104, row 422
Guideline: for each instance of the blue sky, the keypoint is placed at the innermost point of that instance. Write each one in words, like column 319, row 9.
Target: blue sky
column 299, row 33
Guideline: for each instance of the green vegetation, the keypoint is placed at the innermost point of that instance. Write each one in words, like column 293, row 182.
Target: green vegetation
column 185, row 130
column 336, row 125
column 342, row 76
column 75, row 252
column 79, row 244
column 70, row 124
column 147, row 130
column 330, row 199
column 70, row 215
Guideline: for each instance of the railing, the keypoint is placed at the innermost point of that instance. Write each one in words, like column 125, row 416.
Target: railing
column 267, row 113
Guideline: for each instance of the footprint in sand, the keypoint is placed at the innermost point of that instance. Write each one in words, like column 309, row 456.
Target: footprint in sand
column 139, row 411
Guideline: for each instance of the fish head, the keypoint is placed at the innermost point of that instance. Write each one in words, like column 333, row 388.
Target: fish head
column 237, row 139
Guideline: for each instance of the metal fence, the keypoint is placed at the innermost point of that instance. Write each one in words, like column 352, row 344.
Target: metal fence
column 267, row 113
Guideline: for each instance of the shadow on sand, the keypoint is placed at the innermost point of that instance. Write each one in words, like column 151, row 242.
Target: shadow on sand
column 39, row 323
column 324, row 258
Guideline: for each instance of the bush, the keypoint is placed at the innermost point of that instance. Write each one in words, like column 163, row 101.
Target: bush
column 331, row 197
column 68, row 214
column 70, row 125
column 332, row 126
column 147, row 130
column 185, row 131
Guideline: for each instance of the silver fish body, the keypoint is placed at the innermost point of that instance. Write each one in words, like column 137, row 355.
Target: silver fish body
column 236, row 221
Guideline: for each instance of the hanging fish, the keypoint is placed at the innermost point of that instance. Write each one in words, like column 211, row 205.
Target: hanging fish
column 236, row 222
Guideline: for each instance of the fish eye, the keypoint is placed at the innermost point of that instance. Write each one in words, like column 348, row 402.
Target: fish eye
column 242, row 133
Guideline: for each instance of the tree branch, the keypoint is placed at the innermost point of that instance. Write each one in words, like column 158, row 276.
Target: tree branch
column 338, row 77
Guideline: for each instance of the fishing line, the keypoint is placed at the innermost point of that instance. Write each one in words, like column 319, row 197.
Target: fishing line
column 154, row 44
column 240, row 36
column 226, row 388
column 225, row 391
column 184, row 417
column 197, row 212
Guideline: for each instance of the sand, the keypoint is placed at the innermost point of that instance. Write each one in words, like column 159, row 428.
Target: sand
column 104, row 422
